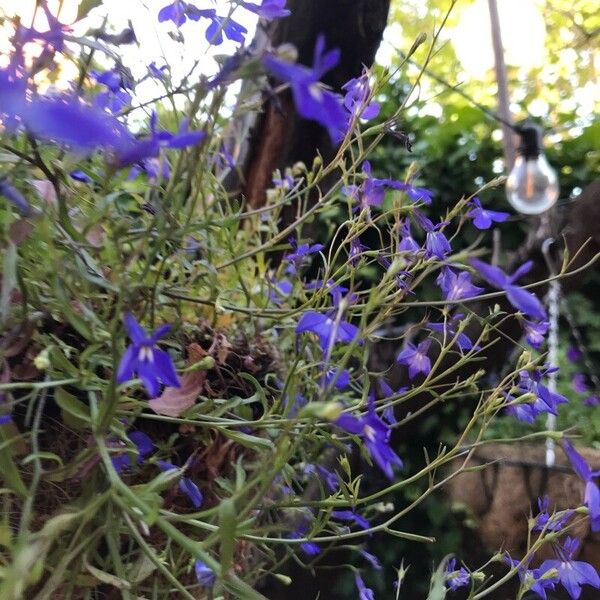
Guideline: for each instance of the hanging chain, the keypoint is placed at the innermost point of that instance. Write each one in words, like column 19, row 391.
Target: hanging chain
column 553, row 299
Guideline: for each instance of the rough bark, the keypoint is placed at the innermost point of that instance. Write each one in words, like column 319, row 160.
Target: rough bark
column 280, row 137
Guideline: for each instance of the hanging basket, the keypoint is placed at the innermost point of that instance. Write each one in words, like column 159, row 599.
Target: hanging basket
column 504, row 493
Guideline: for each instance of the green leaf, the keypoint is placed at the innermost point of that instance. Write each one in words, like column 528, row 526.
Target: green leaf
column 70, row 405
column 437, row 591
column 227, row 529
column 9, row 280
column 8, row 469
column 250, row 441
column 85, row 6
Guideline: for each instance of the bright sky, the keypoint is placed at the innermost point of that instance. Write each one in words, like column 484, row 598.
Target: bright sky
column 523, row 37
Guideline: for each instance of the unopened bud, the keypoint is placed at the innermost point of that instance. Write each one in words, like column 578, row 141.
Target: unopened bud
column 42, row 360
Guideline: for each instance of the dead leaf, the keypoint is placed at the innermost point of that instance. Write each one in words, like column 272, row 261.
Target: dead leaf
column 175, row 401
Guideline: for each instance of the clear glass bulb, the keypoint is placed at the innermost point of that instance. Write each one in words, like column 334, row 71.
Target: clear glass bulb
column 532, row 186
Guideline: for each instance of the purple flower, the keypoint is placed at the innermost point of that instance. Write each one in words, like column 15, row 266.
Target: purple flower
column 375, row 435
column 114, row 98
column 521, row 299
column 152, row 365
column 545, row 401
column 482, row 218
column 436, row 243
column 175, row 12
column 572, row 574
column 573, row 354
column 80, row 176
column 579, row 384
column 144, row 446
column 355, row 251
column 15, row 197
column 53, row 37
column 67, row 120
column 335, row 289
column 357, row 95
column 407, row 242
column 324, row 325
column 456, row 286
column 186, row 485
column 535, row 332
column 535, row 580
column 5, row 419
column 142, row 150
column 415, row 358
column 372, row 559
column 268, row 9
column 364, row 593
column 456, row 579
column 592, row 493
column 204, row 574
column 388, row 392
column 299, row 255
column 544, row 520
column 350, row 515
column 311, row 100
column 463, row 341
column 592, row 401
column 341, row 377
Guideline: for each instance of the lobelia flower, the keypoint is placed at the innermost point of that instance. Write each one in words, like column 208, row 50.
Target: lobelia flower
column 144, row 447
column 78, row 175
column 545, row 400
column 436, row 243
column 375, row 435
column 592, row 400
column 268, row 9
column 456, row 286
column 521, row 299
column 69, row 121
column 355, row 251
column 544, row 520
column 178, row 12
column 483, row 218
column 326, row 328
column 335, row 289
column 175, row 12
column 364, row 593
column 15, row 197
column 535, row 580
column 341, row 377
column 153, row 366
column 298, row 257
column 186, row 485
column 311, row 99
column 373, row 560
column 591, row 496
column 53, row 37
column 579, row 384
column 350, row 515
column 535, row 332
column 463, row 341
column 388, row 392
column 456, row 578
column 415, row 358
column 357, row 95
column 573, row 354
column 140, row 151
column 407, row 242
column 114, row 97
column 204, row 574
column 572, row 574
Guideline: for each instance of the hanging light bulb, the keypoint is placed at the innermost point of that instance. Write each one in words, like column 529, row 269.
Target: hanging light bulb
column 532, row 186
